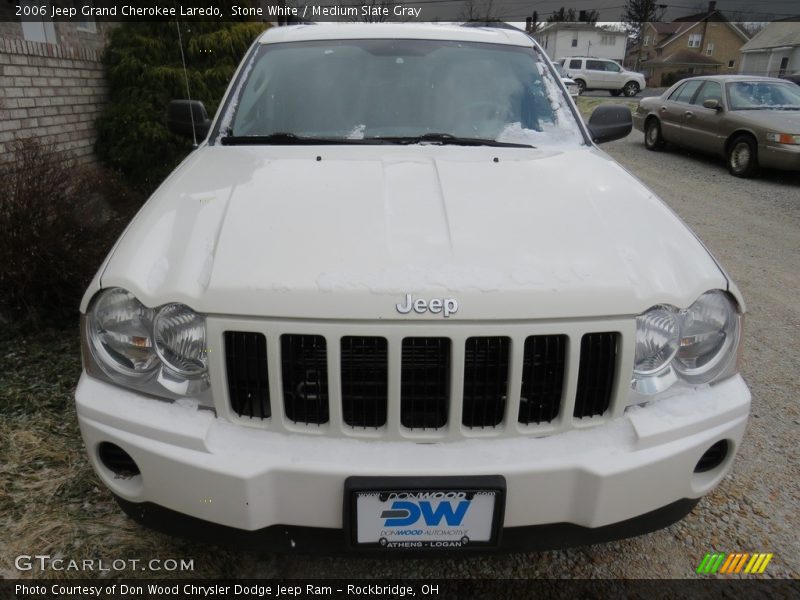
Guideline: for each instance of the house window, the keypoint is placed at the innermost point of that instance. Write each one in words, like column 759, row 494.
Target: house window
column 710, row 49
column 647, row 40
column 695, row 39
column 38, row 30
column 731, row 64
column 575, row 42
column 89, row 25
column 608, row 40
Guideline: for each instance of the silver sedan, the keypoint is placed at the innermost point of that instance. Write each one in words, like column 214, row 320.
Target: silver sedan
column 751, row 121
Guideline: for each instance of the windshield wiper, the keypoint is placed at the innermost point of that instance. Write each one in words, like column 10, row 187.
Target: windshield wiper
column 447, row 139
column 284, row 139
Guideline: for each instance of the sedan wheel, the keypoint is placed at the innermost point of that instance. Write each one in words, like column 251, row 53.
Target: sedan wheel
column 653, row 139
column 631, row 89
column 742, row 157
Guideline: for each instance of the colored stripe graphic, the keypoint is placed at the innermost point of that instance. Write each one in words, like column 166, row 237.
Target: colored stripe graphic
column 758, row 563
column 726, row 564
column 711, row 562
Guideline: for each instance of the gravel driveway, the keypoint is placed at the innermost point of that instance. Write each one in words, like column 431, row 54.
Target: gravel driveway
column 753, row 227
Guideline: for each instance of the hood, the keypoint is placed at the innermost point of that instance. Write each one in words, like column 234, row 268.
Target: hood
column 780, row 121
column 336, row 233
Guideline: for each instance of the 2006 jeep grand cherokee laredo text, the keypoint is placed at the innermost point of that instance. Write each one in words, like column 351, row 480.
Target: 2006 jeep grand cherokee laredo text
column 397, row 300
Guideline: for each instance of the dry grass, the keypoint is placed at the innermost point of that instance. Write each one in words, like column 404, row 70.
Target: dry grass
column 51, row 502
column 586, row 104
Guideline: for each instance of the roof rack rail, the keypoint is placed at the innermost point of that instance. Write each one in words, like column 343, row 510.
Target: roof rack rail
column 491, row 24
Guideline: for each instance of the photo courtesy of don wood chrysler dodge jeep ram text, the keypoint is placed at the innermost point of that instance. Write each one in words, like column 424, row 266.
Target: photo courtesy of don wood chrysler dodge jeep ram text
column 375, row 311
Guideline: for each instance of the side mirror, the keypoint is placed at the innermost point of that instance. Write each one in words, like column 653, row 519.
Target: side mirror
column 610, row 122
column 181, row 114
column 712, row 103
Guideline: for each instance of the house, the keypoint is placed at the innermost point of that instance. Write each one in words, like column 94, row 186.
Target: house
column 51, row 81
column 581, row 39
column 693, row 45
column 773, row 51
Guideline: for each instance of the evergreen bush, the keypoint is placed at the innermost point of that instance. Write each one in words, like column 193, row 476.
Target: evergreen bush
column 144, row 72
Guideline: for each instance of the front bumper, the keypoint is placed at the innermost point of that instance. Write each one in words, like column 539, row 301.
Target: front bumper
column 621, row 478
column 779, row 156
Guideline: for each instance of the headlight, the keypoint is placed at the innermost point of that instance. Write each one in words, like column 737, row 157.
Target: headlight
column 159, row 351
column 696, row 345
column 709, row 334
column 180, row 335
column 119, row 329
column 784, row 138
column 657, row 337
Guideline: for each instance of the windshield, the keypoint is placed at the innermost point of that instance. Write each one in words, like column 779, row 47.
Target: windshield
column 363, row 90
column 753, row 95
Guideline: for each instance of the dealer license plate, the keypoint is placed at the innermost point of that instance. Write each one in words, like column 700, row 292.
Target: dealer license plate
column 409, row 513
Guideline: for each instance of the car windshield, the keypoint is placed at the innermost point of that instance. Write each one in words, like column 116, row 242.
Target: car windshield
column 758, row 95
column 398, row 91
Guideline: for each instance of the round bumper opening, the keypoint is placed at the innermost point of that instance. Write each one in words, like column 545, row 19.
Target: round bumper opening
column 713, row 457
column 116, row 460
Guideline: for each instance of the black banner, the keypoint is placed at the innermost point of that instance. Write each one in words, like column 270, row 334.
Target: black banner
column 133, row 589
column 379, row 10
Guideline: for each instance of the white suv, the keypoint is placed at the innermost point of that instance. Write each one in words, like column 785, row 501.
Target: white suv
column 602, row 74
column 375, row 311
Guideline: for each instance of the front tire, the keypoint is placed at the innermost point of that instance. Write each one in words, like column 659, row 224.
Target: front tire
column 653, row 140
column 743, row 156
column 631, row 89
column 581, row 86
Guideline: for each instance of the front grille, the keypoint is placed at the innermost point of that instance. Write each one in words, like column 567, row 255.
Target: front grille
column 425, row 382
column 304, row 362
column 248, row 380
column 446, row 385
column 485, row 381
column 542, row 378
column 364, row 381
column 596, row 375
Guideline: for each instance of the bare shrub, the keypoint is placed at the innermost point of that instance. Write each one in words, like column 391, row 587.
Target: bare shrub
column 57, row 223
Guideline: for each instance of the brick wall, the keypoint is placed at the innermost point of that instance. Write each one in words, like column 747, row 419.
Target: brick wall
column 51, row 91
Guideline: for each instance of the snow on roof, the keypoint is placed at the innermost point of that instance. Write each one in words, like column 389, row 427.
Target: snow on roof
column 426, row 31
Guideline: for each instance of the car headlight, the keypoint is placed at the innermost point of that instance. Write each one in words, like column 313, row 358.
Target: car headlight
column 709, row 335
column 159, row 351
column 180, row 336
column 119, row 329
column 696, row 345
column 657, row 335
column 784, row 138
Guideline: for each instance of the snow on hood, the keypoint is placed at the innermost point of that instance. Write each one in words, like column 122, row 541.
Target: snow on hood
column 272, row 231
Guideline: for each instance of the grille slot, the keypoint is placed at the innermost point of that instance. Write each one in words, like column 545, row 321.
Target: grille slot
column 248, row 381
column 543, row 363
column 304, row 365
column 485, row 381
column 596, row 374
column 425, row 382
column 364, row 381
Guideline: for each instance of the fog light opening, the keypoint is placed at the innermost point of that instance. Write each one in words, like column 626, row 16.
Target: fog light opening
column 713, row 457
column 116, row 460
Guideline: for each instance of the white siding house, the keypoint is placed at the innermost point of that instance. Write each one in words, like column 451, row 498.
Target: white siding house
column 581, row 39
column 773, row 51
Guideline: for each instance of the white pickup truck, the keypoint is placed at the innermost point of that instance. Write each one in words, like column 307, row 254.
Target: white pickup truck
column 376, row 311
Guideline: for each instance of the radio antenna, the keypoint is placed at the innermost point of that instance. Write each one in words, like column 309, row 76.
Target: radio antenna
column 186, row 78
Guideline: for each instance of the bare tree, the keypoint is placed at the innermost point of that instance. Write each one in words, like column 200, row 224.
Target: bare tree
column 478, row 10
column 751, row 27
column 377, row 11
column 571, row 15
column 636, row 14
